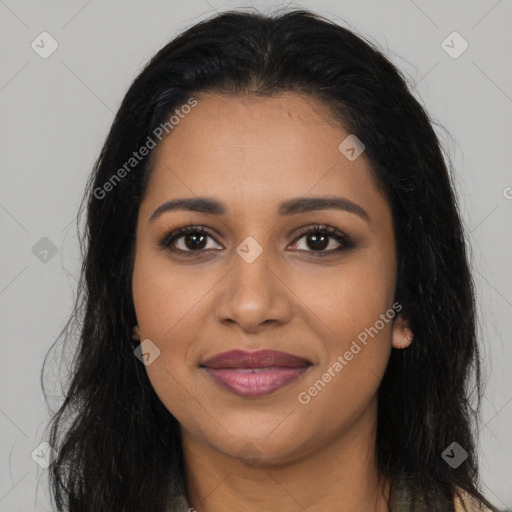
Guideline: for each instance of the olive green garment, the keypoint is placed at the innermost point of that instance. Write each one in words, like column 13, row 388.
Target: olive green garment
column 403, row 502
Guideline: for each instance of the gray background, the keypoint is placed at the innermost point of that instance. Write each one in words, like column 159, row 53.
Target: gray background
column 55, row 115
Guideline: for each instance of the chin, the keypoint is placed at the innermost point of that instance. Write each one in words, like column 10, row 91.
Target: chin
column 259, row 448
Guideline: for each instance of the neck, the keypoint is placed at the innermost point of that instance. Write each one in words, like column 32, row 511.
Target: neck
column 340, row 475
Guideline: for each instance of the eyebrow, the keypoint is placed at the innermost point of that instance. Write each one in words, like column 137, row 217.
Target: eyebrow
column 287, row 208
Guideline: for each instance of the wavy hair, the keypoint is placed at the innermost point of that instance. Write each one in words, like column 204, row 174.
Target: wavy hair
column 118, row 447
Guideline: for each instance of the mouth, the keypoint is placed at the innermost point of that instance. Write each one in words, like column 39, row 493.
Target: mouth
column 252, row 374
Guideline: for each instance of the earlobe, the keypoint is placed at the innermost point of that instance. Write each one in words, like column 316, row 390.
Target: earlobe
column 402, row 333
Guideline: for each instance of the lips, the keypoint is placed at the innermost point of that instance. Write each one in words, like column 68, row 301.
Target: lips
column 251, row 374
column 260, row 359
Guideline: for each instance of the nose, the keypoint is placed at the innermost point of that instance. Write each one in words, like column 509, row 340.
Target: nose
column 254, row 295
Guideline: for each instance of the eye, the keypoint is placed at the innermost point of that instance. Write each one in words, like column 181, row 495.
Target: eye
column 319, row 238
column 193, row 239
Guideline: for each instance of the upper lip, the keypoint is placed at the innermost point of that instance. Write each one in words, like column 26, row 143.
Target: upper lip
column 258, row 359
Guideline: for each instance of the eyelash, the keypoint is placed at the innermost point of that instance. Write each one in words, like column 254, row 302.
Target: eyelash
column 344, row 241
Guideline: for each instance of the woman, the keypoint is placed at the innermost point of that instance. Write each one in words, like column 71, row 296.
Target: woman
column 279, row 313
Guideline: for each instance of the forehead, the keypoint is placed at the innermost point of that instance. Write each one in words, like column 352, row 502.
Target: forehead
column 257, row 151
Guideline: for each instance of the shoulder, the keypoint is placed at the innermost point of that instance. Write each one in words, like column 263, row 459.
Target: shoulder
column 464, row 502
column 404, row 501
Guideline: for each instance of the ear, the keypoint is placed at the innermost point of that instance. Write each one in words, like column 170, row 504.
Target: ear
column 402, row 335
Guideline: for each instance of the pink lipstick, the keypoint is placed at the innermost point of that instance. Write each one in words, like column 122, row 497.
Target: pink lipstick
column 252, row 374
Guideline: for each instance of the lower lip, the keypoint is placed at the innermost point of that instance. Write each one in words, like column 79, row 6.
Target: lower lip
column 256, row 383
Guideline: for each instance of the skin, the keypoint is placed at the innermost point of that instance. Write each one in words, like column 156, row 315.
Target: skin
column 253, row 153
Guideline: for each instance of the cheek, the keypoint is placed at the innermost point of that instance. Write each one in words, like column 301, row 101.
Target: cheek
column 169, row 309
column 356, row 357
column 350, row 297
column 355, row 306
column 164, row 295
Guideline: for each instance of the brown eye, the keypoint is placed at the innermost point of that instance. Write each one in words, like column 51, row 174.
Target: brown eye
column 188, row 239
column 320, row 238
column 193, row 241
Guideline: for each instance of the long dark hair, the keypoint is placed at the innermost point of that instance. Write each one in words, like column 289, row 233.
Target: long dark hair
column 118, row 447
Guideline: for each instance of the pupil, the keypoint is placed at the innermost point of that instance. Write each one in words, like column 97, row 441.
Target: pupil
column 193, row 245
column 315, row 237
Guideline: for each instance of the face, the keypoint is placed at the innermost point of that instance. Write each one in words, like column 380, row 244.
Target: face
column 264, row 271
